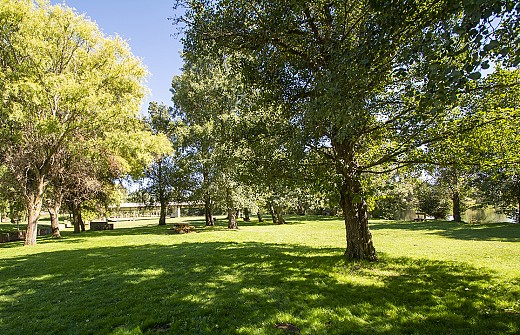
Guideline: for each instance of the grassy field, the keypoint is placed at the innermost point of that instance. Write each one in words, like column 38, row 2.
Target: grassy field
column 433, row 278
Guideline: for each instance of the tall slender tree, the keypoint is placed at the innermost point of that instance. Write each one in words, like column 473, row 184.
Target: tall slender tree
column 168, row 177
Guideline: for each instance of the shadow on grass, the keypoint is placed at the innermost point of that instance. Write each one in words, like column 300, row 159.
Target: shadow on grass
column 154, row 229
column 506, row 232
column 244, row 288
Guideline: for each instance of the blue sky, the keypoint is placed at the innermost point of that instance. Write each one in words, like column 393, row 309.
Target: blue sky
column 146, row 28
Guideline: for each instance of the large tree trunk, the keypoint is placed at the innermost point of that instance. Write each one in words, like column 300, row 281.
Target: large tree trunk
column 34, row 207
column 456, row 207
column 355, row 212
column 232, row 219
column 208, row 211
column 54, row 212
column 76, row 217
column 279, row 215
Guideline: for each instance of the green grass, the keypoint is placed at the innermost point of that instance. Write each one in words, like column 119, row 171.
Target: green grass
column 433, row 278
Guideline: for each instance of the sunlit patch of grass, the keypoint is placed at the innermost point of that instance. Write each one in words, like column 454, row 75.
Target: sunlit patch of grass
column 432, row 278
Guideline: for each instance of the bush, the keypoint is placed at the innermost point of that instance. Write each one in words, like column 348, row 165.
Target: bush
column 433, row 200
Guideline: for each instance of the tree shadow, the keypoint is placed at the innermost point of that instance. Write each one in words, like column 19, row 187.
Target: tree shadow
column 244, row 288
column 506, row 232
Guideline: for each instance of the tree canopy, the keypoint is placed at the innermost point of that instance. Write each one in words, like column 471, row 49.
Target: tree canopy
column 65, row 85
column 366, row 84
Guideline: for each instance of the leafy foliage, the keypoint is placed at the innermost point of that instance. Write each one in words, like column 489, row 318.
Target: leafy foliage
column 66, row 89
column 433, row 201
column 365, row 84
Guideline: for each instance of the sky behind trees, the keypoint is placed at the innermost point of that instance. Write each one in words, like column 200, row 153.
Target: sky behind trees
column 145, row 26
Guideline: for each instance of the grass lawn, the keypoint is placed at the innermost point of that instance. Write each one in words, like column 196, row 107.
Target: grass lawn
column 432, row 278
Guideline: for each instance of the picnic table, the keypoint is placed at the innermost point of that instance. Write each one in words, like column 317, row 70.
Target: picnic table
column 101, row 225
column 420, row 216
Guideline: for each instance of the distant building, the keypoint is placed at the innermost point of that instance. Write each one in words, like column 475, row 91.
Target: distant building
column 134, row 210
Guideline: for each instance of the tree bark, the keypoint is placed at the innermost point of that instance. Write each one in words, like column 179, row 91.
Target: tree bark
column 271, row 210
column 232, row 212
column 76, row 217
column 208, row 211
column 162, row 215
column 54, row 212
column 279, row 215
column 81, row 223
column 355, row 212
column 232, row 219
column 246, row 215
column 34, row 207
column 456, row 207
column 259, row 215
column 162, row 193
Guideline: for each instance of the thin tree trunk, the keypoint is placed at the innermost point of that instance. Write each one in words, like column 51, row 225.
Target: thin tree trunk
column 456, row 207
column 259, row 214
column 162, row 193
column 273, row 215
column 232, row 219
column 81, row 222
column 54, row 212
column 208, row 211
column 301, row 208
column 34, row 207
column 358, row 236
column 162, row 216
column 246, row 215
column 518, row 214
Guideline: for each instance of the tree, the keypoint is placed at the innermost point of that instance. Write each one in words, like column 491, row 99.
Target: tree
column 208, row 100
column 63, row 84
column 497, row 178
column 393, row 195
column 195, row 95
column 432, row 200
column 167, row 178
column 367, row 83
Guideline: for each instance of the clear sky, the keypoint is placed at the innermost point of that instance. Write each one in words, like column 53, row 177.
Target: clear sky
column 146, row 28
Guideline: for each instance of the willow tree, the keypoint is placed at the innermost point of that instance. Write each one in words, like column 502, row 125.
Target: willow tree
column 366, row 82
column 63, row 83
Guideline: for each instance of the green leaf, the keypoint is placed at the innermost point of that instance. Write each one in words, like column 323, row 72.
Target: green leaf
column 475, row 75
